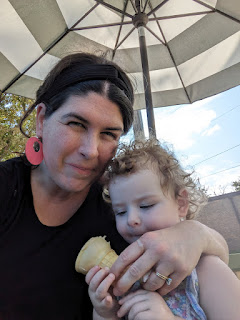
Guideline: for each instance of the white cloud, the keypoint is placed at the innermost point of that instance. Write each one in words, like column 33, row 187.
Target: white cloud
column 189, row 159
column 179, row 126
column 196, row 137
column 211, row 130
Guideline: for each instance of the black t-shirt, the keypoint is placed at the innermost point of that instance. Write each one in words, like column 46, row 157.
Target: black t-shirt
column 37, row 263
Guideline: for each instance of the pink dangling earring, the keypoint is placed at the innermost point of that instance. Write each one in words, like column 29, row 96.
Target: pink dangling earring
column 34, row 151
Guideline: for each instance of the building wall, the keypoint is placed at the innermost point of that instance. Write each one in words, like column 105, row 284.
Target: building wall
column 222, row 213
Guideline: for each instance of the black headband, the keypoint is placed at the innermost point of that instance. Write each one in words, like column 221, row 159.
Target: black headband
column 89, row 72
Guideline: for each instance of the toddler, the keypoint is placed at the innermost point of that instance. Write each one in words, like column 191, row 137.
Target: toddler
column 149, row 191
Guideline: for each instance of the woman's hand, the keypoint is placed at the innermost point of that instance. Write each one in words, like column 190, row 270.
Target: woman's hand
column 104, row 303
column 174, row 252
column 144, row 305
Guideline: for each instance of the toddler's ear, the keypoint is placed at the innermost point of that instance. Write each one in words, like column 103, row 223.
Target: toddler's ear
column 183, row 203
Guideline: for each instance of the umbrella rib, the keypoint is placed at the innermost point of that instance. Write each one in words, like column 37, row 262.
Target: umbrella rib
column 120, row 29
column 46, row 50
column 156, row 8
column 173, row 60
column 153, row 33
column 84, row 16
column 31, row 65
column 102, row 25
column 113, row 8
column 145, row 6
column 133, row 5
column 127, row 35
column 217, row 10
column 180, row 15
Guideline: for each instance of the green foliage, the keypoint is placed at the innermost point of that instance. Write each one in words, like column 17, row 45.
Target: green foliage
column 12, row 141
column 236, row 185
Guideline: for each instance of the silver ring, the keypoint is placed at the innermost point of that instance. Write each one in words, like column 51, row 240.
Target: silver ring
column 161, row 276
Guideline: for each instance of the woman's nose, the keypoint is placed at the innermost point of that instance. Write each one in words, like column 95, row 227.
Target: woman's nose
column 133, row 218
column 89, row 146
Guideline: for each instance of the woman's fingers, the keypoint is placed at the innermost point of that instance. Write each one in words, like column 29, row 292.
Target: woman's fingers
column 143, row 255
column 134, row 263
column 129, row 255
column 167, row 251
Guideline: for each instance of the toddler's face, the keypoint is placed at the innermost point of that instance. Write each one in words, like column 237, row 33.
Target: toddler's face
column 140, row 205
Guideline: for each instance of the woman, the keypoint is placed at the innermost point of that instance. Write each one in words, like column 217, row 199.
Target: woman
column 50, row 210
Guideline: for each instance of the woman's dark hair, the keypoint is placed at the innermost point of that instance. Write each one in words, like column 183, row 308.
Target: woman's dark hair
column 80, row 73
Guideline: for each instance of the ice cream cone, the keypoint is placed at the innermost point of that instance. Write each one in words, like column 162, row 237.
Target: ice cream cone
column 96, row 252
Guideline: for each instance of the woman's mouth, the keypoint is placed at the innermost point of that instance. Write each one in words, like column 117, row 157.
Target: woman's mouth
column 81, row 169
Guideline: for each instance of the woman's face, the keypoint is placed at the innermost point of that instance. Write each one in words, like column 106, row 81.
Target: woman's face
column 78, row 140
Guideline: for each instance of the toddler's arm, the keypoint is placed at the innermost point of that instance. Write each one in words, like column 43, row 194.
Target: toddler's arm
column 219, row 289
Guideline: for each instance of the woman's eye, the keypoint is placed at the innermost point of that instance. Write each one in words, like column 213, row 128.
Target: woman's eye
column 76, row 124
column 111, row 135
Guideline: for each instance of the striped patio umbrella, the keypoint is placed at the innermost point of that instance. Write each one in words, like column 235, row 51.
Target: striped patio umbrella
column 175, row 51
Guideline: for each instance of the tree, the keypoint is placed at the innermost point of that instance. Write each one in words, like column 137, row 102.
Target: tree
column 236, row 185
column 12, row 141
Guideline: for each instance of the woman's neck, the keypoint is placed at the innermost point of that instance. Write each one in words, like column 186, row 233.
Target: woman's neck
column 54, row 206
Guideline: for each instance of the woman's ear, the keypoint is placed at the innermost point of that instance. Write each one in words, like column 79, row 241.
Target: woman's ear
column 183, row 203
column 41, row 110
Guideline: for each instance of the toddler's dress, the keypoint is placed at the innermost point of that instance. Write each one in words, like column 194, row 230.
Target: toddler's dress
column 184, row 300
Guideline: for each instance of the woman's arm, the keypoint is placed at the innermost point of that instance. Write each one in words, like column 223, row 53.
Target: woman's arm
column 173, row 252
column 219, row 289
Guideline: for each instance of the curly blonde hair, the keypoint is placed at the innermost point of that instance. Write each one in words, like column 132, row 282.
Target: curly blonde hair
column 151, row 154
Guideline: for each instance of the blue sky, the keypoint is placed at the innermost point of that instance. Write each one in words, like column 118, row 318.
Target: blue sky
column 204, row 135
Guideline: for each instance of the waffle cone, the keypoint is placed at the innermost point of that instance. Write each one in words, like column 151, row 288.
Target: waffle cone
column 96, row 252
column 109, row 259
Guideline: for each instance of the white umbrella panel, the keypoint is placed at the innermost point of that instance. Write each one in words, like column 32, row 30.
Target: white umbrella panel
column 192, row 47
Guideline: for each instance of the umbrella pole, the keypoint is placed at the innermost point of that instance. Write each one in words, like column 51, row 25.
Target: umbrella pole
column 146, row 81
column 138, row 128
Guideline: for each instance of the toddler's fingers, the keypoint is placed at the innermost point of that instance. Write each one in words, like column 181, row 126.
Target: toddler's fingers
column 104, row 286
column 98, row 277
column 108, row 301
column 126, row 304
column 91, row 273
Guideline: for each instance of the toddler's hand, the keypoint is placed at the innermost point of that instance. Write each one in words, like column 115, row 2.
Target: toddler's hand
column 100, row 293
column 144, row 305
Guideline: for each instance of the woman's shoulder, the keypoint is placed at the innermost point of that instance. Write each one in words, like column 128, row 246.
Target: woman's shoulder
column 13, row 174
column 11, row 165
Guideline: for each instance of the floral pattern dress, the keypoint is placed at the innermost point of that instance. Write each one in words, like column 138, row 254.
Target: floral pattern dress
column 184, row 300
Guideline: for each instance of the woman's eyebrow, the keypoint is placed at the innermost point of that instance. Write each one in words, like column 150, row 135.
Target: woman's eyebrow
column 75, row 115
column 114, row 129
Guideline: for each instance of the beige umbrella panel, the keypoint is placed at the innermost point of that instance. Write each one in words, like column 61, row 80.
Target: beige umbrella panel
column 192, row 47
